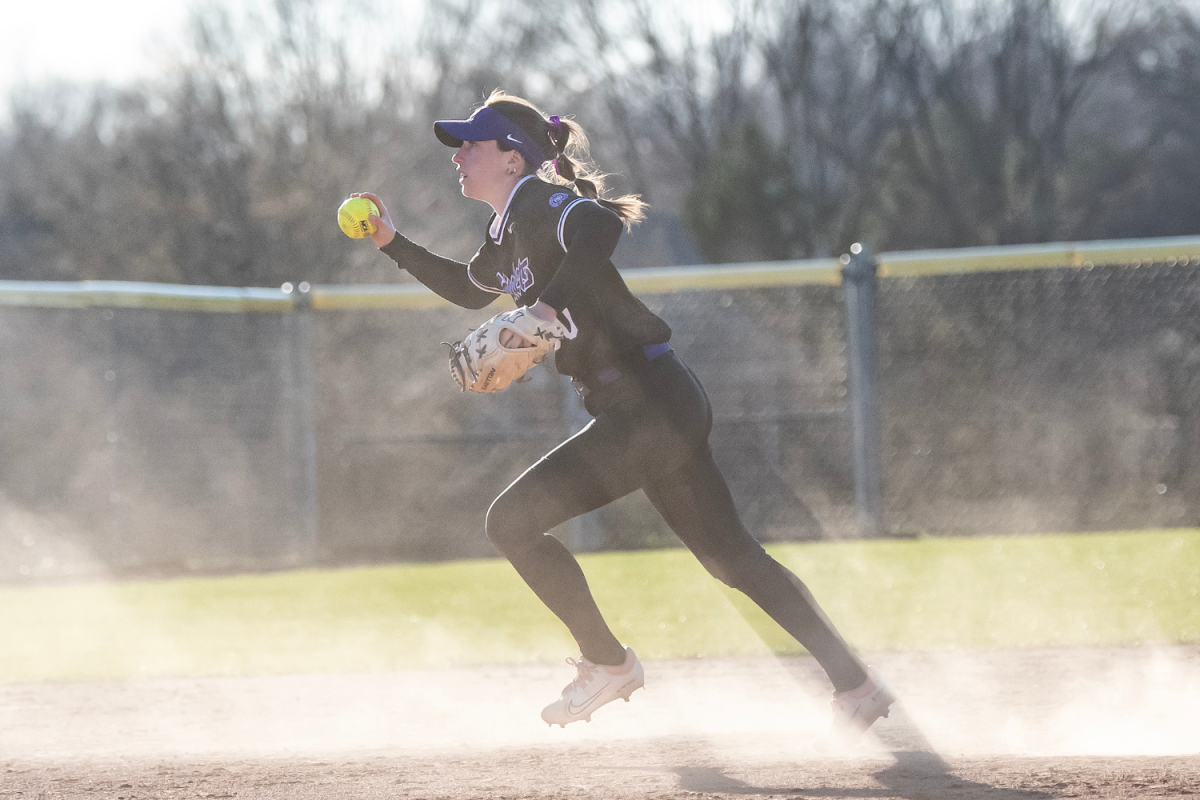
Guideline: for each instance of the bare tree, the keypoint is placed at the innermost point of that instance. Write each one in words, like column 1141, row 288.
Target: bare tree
column 798, row 127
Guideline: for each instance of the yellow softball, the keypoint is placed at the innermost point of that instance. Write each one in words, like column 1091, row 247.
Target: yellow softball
column 352, row 217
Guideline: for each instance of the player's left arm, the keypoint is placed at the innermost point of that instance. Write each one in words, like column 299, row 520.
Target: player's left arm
column 589, row 234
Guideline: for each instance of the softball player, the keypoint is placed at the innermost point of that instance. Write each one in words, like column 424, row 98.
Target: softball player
column 548, row 246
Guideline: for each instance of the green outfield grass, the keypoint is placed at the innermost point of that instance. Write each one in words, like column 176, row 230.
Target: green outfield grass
column 1078, row 590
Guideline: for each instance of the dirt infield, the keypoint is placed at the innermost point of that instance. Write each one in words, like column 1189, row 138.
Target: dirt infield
column 1110, row 723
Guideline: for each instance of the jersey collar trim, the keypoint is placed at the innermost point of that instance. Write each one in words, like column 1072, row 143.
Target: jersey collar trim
column 500, row 221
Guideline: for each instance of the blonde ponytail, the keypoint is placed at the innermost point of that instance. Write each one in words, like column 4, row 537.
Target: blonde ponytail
column 567, row 163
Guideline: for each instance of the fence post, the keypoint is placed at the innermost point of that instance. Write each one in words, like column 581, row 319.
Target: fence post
column 859, row 277
column 114, row 375
column 304, row 409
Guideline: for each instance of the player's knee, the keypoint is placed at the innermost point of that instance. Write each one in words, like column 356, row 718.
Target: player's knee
column 505, row 525
column 739, row 569
column 718, row 571
column 494, row 525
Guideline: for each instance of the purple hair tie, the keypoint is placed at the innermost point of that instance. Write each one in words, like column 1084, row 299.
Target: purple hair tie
column 556, row 133
column 558, row 137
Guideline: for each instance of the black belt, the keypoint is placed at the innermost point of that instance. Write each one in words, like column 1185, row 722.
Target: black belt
column 611, row 374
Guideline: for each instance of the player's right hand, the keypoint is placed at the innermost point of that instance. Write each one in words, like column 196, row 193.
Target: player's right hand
column 385, row 231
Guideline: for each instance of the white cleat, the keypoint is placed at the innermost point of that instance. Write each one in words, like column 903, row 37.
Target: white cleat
column 594, row 685
column 856, row 710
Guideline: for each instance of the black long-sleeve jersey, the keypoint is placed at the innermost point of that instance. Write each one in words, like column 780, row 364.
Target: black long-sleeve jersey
column 552, row 245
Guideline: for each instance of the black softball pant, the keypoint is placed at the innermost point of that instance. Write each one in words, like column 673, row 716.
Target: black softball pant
column 650, row 432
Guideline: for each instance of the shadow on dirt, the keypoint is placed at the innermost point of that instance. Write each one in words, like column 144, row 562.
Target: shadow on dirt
column 924, row 774
column 916, row 775
column 714, row 779
column 918, row 772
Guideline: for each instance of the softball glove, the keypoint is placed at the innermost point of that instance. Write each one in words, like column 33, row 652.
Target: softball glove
column 480, row 363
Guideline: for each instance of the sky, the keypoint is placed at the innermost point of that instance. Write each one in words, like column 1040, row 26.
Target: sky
column 85, row 40
column 124, row 40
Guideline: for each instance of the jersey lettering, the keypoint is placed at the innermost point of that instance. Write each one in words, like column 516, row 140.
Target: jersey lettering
column 519, row 282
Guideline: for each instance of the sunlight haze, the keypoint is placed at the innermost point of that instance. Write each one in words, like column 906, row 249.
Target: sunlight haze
column 86, row 41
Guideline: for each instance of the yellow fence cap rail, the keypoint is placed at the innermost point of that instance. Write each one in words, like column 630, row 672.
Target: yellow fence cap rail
column 359, row 297
column 129, row 294
column 660, row 280
column 655, row 280
column 1113, row 252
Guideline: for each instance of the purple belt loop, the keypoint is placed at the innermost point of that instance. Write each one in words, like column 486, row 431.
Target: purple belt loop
column 607, row 375
column 653, row 351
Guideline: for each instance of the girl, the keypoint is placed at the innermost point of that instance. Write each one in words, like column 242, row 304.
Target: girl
column 548, row 246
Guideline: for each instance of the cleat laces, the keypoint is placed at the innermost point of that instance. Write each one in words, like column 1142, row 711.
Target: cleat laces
column 584, row 672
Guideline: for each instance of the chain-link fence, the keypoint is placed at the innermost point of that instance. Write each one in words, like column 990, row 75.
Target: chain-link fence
column 1046, row 400
column 142, row 438
column 182, row 430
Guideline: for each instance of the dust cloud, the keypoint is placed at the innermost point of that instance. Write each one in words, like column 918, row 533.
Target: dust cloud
column 1129, row 701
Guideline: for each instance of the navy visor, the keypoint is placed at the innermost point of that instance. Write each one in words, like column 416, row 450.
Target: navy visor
column 485, row 125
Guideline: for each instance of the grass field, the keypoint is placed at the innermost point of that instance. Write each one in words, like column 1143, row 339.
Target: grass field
column 936, row 593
